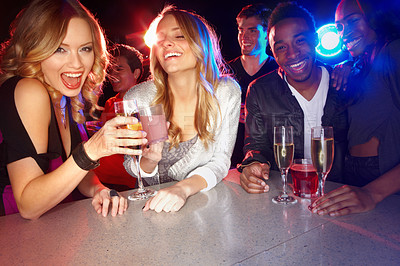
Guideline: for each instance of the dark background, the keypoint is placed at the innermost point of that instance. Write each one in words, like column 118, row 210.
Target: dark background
column 120, row 18
column 126, row 21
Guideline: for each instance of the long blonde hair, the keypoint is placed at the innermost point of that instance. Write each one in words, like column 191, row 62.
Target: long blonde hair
column 210, row 68
column 35, row 35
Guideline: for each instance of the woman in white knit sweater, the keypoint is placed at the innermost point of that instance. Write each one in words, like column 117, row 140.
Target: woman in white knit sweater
column 201, row 104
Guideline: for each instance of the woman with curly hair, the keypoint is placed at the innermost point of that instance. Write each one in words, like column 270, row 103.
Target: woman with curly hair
column 52, row 65
column 201, row 104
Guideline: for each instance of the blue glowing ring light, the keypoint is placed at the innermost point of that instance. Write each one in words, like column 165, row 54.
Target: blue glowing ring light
column 329, row 42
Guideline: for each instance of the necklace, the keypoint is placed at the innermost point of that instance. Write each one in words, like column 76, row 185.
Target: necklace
column 63, row 107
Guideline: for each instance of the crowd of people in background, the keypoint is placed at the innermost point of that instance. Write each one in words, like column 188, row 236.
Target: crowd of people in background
column 297, row 94
column 220, row 115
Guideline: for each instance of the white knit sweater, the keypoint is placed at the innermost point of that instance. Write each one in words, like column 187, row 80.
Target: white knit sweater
column 213, row 163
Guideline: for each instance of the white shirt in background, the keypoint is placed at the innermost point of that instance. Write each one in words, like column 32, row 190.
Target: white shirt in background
column 313, row 109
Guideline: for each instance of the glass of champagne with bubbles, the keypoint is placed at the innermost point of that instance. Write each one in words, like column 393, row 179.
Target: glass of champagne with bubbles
column 130, row 108
column 322, row 153
column 283, row 152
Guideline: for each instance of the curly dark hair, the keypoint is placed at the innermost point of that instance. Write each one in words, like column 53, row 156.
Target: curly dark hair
column 383, row 17
column 290, row 10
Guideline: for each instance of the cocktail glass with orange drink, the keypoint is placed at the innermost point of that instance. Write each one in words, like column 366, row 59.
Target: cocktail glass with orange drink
column 130, row 108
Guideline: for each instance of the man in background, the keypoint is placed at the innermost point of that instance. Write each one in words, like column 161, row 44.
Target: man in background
column 254, row 62
column 298, row 94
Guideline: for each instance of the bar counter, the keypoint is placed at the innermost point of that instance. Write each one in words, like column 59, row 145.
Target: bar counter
column 224, row 226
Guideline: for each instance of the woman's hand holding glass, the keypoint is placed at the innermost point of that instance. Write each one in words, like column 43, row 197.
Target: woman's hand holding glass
column 151, row 156
column 115, row 138
column 111, row 139
column 152, row 153
column 343, row 201
column 127, row 109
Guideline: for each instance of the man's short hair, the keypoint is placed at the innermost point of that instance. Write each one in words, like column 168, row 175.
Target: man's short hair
column 290, row 10
column 256, row 10
column 133, row 57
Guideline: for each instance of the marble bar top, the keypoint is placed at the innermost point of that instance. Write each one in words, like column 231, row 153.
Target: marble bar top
column 224, row 226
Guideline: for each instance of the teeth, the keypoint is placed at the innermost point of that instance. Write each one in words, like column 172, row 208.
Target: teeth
column 351, row 44
column 297, row 65
column 72, row 75
column 171, row 55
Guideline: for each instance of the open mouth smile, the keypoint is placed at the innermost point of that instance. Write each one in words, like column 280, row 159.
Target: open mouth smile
column 298, row 67
column 172, row 54
column 71, row 80
column 115, row 80
column 245, row 45
column 352, row 44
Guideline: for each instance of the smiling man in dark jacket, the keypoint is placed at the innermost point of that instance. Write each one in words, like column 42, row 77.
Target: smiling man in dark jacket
column 297, row 94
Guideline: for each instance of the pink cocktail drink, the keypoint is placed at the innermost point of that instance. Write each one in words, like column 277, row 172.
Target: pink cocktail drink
column 305, row 179
column 153, row 123
column 155, row 127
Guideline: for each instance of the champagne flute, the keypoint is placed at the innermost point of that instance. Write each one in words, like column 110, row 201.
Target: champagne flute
column 130, row 108
column 283, row 152
column 322, row 153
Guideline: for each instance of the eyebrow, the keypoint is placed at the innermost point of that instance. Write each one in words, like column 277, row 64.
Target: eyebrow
column 251, row 28
column 349, row 15
column 176, row 28
column 91, row 42
column 305, row 33
column 173, row 29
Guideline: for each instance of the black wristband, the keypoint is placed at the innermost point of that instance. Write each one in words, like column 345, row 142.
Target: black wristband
column 82, row 159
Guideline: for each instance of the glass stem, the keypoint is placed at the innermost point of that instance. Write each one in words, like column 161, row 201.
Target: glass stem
column 321, row 184
column 284, row 180
column 140, row 182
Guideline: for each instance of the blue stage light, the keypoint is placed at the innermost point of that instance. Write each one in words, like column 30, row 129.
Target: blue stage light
column 329, row 42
